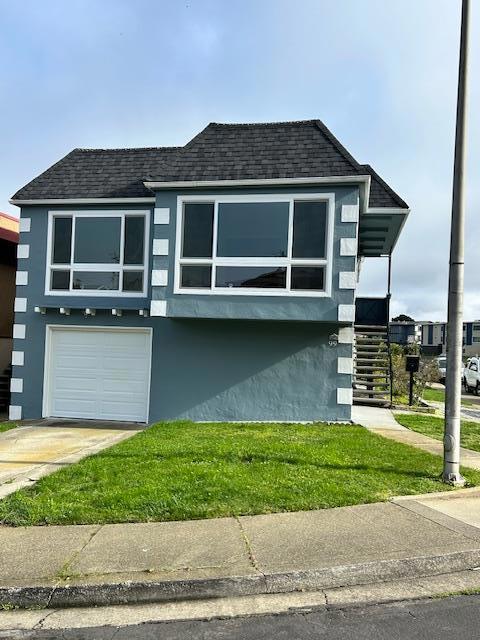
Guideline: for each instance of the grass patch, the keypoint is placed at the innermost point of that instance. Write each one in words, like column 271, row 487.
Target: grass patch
column 433, row 426
column 183, row 470
column 5, row 426
column 438, row 395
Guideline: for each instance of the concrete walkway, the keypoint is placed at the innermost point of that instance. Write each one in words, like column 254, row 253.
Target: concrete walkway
column 382, row 422
column 277, row 553
column 29, row 452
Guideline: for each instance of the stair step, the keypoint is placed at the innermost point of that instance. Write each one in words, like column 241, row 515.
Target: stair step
column 366, row 392
column 376, row 401
column 366, row 375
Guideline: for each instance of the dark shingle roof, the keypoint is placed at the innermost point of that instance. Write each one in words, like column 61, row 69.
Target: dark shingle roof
column 219, row 152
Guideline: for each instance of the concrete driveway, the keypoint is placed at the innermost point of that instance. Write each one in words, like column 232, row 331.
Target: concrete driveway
column 31, row 451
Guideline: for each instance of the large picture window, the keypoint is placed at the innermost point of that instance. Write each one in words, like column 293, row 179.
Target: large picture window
column 262, row 245
column 97, row 253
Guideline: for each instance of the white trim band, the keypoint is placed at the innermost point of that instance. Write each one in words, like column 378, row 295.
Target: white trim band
column 345, row 396
column 160, row 247
column 15, row 412
column 20, row 305
column 19, row 331
column 346, row 312
column 21, row 278
column 360, row 179
column 18, row 358
column 54, row 201
column 158, row 308
column 16, row 385
column 161, row 216
column 159, row 278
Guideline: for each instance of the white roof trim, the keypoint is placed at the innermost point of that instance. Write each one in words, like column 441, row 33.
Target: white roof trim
column 258, row 182
column 53, row 201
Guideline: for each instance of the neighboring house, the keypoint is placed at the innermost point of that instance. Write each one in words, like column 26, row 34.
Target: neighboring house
column 404, row 332
column 434, row 335
column 207, row 282
column 8, row 266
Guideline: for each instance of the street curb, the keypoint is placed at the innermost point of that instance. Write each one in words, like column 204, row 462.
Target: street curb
column 131, row 592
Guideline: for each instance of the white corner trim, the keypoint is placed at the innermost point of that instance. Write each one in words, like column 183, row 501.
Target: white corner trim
column 346, row 312
column 15, row 412
column 345, row 335
column 16, row 385
column 347, row 280
column 18, row 358
column 161, row 216
column 349, row 213
column 159, row 278
column 160, row 247
column 158, row 308
column 345, row 365
column 348, row 246
column 25, row 225
column 23, row 251
column 20, row 305
column 21, row 278
column 344, row 396
column 19, row 331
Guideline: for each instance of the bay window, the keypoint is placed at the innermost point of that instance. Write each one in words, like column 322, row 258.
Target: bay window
column 261, row 245
column 97, row 253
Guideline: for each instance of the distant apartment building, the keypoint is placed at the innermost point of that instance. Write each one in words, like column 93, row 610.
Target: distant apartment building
column 432, row 336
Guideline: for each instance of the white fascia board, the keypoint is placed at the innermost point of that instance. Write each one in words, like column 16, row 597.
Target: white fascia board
column 360, row 179
column 60, row 201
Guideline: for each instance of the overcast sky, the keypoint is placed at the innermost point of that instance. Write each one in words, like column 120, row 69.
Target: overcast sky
column 380, row 74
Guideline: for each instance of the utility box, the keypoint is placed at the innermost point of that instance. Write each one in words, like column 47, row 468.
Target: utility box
column 412, row 364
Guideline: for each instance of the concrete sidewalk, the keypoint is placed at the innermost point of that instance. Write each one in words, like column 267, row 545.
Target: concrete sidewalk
column 34, row 450
column 382, row 422
column 278, row 553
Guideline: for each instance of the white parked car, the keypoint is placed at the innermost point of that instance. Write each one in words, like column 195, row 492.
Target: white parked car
column 442, row 368
column 471, row 376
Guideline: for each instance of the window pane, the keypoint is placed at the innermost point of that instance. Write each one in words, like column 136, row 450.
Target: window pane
column 309, row 229
column 308, row 278
column 60, row 280
column 252, row 229
column 134, row 236
column 97, row 240
column 96, row 280
column 133, row 281
column 196, row 276
column 252, row 277
column 197, row 230
column 62, row 240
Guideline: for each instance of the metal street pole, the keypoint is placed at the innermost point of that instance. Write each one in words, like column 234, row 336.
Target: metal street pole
column 451, row 441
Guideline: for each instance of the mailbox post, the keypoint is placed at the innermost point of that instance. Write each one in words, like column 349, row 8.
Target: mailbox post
column 412, row 365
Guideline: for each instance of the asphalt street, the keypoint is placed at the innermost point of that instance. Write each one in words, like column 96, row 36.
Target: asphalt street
column 444, row 618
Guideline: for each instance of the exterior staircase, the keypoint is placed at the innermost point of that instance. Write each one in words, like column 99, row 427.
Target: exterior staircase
column 371, row 365
column 5, row 388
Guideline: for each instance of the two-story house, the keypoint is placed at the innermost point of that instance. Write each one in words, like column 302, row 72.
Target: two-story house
column 214, row 281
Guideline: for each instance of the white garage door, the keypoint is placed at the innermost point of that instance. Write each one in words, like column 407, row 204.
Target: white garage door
column 98, row 373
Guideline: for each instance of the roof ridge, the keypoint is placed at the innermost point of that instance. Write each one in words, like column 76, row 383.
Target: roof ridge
column 337, row 144
column 88, row 149
column 261, row 124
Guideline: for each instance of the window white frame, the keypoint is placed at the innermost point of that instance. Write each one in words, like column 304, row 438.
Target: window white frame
column 287, row 262
column 116, row 267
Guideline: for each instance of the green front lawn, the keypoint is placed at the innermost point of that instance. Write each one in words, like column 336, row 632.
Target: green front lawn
column 182, row 470
column 5, row 426
column 433, row 426
column 438, row 395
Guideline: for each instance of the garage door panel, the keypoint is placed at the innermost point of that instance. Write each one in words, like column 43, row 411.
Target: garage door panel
column 99, row 373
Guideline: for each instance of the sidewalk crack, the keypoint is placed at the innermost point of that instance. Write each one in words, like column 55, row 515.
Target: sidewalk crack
column 64, row 571
column 250, row 552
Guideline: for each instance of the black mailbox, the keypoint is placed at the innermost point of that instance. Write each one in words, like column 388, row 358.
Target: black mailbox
column 412, row 364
